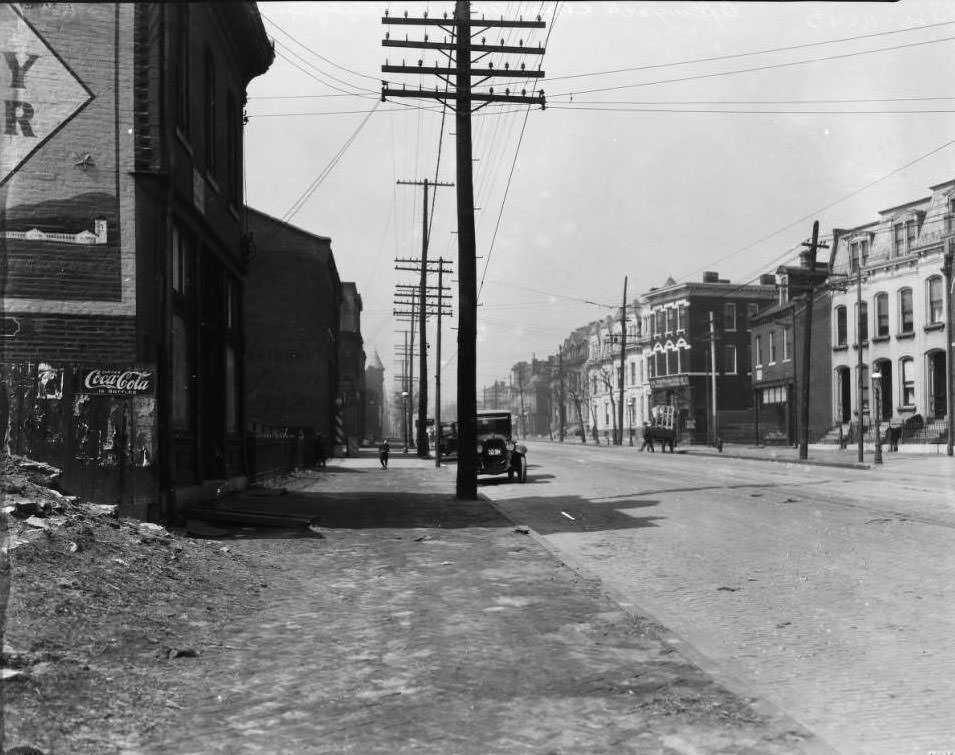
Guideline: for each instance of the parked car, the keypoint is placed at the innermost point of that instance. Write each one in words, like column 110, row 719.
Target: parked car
column 448, row 439
column 497, row 451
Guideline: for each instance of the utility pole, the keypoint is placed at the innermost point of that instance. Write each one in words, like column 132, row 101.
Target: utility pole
column 809, row 263
column 561, row 411
column 713, row 376
column 520, row 387
column 422, row 435
column 437, row 368
column 947, row 272
column 860, row 381
column 623, row 362
column 460, row 98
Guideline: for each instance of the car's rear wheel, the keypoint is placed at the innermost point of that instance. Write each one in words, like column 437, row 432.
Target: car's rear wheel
column 521, row 470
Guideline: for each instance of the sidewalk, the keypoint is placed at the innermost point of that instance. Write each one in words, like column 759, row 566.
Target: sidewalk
column 407, row 621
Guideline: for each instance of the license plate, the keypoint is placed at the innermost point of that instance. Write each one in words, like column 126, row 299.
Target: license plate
column 494, row 452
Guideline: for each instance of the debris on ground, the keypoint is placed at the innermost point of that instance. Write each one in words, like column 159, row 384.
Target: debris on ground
column 96, row 602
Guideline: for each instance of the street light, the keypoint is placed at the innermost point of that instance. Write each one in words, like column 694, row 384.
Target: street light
column 877, row 385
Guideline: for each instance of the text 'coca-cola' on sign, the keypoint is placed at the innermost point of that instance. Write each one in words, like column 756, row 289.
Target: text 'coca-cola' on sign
column 138, row 381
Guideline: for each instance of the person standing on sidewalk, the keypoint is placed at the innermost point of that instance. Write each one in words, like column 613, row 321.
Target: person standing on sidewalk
column 383, row 450
column 647, row 437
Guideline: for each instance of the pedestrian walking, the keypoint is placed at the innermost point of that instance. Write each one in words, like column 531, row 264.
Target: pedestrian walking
column 383, row 450
column 647, row 438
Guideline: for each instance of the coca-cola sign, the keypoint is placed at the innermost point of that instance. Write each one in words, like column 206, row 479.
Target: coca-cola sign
column 121, row 382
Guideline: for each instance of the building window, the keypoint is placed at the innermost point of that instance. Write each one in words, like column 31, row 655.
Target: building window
column 906, row 314
column 673, row 365
column 772, row 347
column 907, row 370
column 729, row 360
column 633, row 373
column 842, row 336
column 936, row 309
column 881, row 315
column 729, row 317
column 659, row 322
column 606, row 414
column 858, row 254
column 651, row 367
column 910, row 235
column 671, row 320
column 594, row 388
column 182, row 263
column 210, row 112
column 862, row 322
column 898, row 239
column 787, row 347
column 681, row 318
column 661, row 363
column 759, row 351
column 182, row 75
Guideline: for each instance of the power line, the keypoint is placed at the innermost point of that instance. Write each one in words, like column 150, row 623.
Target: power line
column 716, row 111
column 311, row 74
column 753, row 53
column 304, row 197
column 768, row 67
column 497, row 225
column 317, row 55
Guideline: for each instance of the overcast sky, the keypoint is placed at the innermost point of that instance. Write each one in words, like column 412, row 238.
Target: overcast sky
column 751, row 143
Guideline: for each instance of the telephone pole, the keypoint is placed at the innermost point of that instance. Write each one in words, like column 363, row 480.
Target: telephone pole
column 713, row 376
column 623, row 363
column 437, row 364
column 460, row 98
column 421, row 439
column 561, row 413
column 809, row 263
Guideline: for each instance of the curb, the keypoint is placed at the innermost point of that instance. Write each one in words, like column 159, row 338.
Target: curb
column 799, row 462
column 813, row 744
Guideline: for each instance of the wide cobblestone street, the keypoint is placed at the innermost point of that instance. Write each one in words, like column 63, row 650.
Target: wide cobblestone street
column 411, row 622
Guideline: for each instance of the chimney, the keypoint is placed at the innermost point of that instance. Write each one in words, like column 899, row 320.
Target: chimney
column 711, row 276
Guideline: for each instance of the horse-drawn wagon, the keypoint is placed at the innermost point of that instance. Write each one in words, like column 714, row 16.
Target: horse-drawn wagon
column 663, row 428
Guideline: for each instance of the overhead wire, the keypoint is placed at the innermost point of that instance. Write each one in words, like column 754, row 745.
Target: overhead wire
column 751, row 53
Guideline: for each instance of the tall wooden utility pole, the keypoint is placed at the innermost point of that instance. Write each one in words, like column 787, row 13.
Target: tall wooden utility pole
column 561, row 411
column 809, row 264
column 713, row 377
column 421, row 439
column 623, row 362
column 441, row 262
column 458, row 95
column 406, row 303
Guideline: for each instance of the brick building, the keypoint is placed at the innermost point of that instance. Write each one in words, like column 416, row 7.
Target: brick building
column 776, row 345
column 123, row 240
column 292, row 305
column 680, row 353
column 375, row 400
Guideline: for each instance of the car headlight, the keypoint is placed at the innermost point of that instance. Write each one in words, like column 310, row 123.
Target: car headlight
column 480, row 448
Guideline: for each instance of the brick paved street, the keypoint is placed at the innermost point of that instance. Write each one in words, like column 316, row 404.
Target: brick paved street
column 828, row 591
column 415, row 623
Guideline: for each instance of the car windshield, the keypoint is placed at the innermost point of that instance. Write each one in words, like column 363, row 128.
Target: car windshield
column 500, row 425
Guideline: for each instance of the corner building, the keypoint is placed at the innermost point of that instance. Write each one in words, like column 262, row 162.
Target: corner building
column 680, row 354
column 124, row 238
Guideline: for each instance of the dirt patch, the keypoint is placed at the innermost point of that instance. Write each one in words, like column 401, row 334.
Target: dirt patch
column 102, row 614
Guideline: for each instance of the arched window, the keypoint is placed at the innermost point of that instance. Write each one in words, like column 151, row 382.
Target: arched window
column 881, row 315
column 906, row 314
column 936, row 308
column 842, row 329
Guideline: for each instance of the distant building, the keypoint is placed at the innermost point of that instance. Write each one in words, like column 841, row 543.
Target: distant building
column 351, row 375
column 568, row 382
column 692, row 327
column 124, row 243
column 898, row 319
column 375, row 400
column 776, row 345
column 292, row 306
column 530, row 397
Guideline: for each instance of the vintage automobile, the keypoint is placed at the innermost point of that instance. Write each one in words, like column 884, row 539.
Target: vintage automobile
column 497, row 452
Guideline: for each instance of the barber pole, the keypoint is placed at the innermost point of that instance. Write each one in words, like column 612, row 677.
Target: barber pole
column 340, row 439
